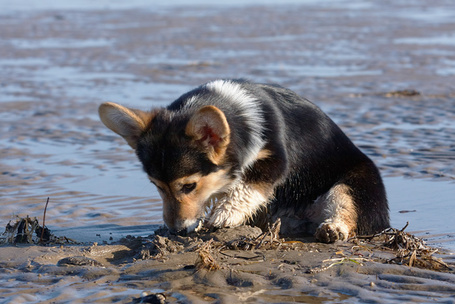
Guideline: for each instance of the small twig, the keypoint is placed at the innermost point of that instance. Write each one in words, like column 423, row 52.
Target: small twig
column 383, row 232
column 406, row 226
column 273, row 231
column 44, row 221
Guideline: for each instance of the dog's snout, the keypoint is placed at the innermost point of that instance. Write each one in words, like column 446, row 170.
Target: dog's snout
column 186, row 226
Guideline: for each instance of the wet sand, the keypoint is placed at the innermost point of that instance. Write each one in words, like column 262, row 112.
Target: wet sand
column 383, row 71
column 227, row 266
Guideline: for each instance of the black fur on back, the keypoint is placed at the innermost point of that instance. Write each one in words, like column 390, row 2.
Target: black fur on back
column 309, row 153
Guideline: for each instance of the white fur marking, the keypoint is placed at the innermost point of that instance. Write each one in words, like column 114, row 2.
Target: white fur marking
column 192, row 225
column 191, row 101
column 250, row 111
column 239, row 204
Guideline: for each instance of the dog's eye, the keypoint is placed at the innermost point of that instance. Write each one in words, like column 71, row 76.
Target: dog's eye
column 187, row 188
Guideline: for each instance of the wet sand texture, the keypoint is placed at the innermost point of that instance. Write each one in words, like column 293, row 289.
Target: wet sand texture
column 231, row 265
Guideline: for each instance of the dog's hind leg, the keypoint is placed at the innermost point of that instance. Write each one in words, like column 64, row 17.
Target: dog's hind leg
column 336, row 213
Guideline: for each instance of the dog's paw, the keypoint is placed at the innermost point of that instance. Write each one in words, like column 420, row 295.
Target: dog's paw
column 329, row 232
column 221, row 218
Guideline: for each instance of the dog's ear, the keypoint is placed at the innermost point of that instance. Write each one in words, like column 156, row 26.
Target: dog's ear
column 128, row 123
column 210, row 129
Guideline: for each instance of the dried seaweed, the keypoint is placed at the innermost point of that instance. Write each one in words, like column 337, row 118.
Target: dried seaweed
column 408, row 249
column 411, row 250
column 20, row 231
column 205, row 259
column 268, row 240
column 28, row 231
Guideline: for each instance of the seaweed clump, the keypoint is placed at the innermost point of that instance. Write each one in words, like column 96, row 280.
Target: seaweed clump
column 26, row 231
column 205, row 260
column 408, row 249
column 411, row 250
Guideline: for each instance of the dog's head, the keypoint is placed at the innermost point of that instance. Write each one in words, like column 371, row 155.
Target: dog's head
column 184, row 155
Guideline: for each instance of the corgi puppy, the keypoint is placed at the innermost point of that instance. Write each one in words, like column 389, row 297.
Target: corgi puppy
column 230, row 151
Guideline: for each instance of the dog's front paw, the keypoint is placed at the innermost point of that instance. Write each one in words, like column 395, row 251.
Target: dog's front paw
column 329, row 232
column 221, row 218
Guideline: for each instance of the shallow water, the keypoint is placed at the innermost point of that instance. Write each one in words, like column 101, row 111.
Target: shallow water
column 59, row 62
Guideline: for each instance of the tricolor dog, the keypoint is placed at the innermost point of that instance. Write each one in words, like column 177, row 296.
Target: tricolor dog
column 230, row 151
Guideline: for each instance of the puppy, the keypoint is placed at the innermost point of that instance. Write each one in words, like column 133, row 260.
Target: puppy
column 232, row 150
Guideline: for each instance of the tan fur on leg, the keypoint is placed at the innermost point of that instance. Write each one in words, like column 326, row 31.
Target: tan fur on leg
column 339, row 215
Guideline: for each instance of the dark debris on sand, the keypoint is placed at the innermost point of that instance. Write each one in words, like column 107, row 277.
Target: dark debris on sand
column 409, row 250
column 27, row 230
column 405, row 249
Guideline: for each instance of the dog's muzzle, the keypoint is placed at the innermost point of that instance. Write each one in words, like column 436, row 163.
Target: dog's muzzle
column 188, row 226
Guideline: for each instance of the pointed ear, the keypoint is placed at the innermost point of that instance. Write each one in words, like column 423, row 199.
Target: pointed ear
column 210, row 129
column 128, row 123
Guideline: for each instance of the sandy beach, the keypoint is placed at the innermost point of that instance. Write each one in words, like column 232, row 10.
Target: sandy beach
column 384, row 71
column 233, row 265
